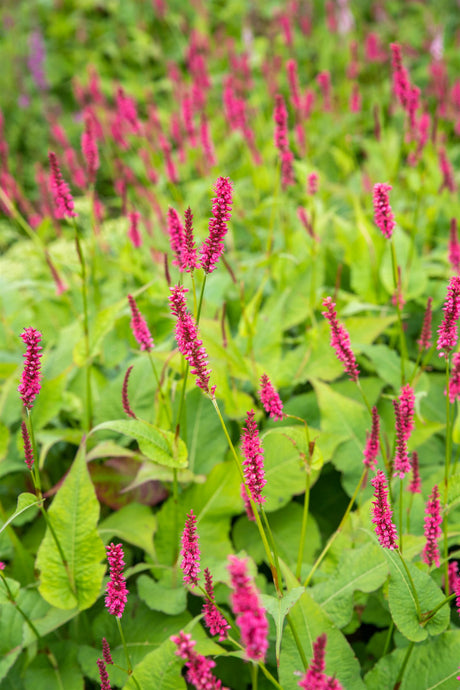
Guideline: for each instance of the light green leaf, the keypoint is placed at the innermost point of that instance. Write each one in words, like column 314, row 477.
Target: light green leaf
column 170, row 600
column 104, row 323
column 278, row 609
column 402, row 601
column 73, row 515
column 4, row 440
column 160, row 669
column 49, row 402
column 25, row 501
column 160, row 446
column 133, row 523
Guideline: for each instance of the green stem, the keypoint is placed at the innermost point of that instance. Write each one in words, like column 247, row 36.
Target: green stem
column 446, row 480
column 401, row 515
column 160, row 390
column 84, row 292
column 274, row 203
column 388, row 639
column 273, row 548
column 337, row 531
column 402, row 337
column 430, row 614
column 35, row 469
column 11, row 598
column 262, row 666
column 306, row 501
column 404, row 664
column 254, row 676
column 125, row 647
column 414, row 591
column 297, row 641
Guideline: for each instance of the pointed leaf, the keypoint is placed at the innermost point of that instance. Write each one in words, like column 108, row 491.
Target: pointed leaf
column 279, row 608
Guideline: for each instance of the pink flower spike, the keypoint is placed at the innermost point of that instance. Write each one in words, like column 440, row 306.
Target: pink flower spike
column 457, row 593
column 28, row 451
column 315, row 678
column 280, row 117
column 198, row 667
column 124, row 394
column 433, row 521
column 401, row 460
column 382, row 513
column 447, row 172
column 106, row 652
column 454, row 382
column 251, row 617
column 247, row 503
column 133, row 232
column 189, row 260
column 139, row 326
column 104, row 676
column 424, row 342
column 213, row 618
column 453, row 576
column 63, row 201
column 89, row 149
column 383, row 215
column 270, row 399
column 407, row 404
column 176, row 236
column 213, row 247
column 401, row 83
column 340, row 340
column 190, row 551
column 117, row 594
column 415, row 486
column 372, row 443
column 30, row 384
column 312, row 183
column 447, row 331
column 187, row 340
column 454, row 247
column 253, row 464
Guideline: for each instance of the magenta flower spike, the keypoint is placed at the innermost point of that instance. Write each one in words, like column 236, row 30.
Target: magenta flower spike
column 139, row 326
column 176, row 236
column 424, row 342
column 198, row 667
column 106, row 652
column 401, row 463
column 213, row 247
column 453, row 576
column 116, row 592
column 371, row 449
column 251, row 617
column 448, row 181
column 314, row 677
column 312, row 183
column 280, row 117
column 188, row 255
column 187, row 340
column 213, row 618
column 270, row 399
column 30, row 384
column 247, row 503
column 447, row 331
column 63, row 201
column 28, row 451
column 253, row 464
column 190, row 551
column 454, row 247
column 401, row 82
column 383, row 215
column 457, row 593
column 124, row 394
column 454, row 381
column 407, row 406
column 432, row 531
column 133, row 232
column 2, row 565
column 340, row 340
column 104, row 676
column 415, row 486
column 89, row 149
column 382, row 513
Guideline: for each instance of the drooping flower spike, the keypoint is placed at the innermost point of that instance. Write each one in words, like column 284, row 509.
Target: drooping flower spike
column 30, row 384
column 117, row 593
column 139, row 326
column 382, row 513
column 340, row 340
column 270, row 399
column 190, row 552
column 124, row 394
column 432, row 531
column 213, row 247
column 447, row 331
column 251, row 617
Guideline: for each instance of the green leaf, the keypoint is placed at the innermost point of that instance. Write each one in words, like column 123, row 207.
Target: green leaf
column 73, row 515
column 160, row 446
column 278, row 609
column 387, row 363
column 310, row 621
column 170, row 600
column 25, row 501
column 49, row 402
column 364, row 569
column 161, row 669
column 402, row 602
column 432, row 665
column 4, row 440
column 104, row 323
column 134, row 523
column 40, row 674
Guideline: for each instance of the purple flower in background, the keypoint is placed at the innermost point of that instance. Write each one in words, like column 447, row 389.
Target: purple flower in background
column 89, row 148
column 454, row 246
column 213, row 247
column 139, row 326
column 106, row 652
column 117, row 594
column 340, row 340
column 382, row 513
column 383, row 215
column 28, row 452
column 372, row 443
column 432, row 529
column 253, row 464
column 447, row 331
column 213, row 618
column 190, row 551
column 270, row 399
column 36, row 60
column 250, row 614
column 30, row 384
column 133, row 232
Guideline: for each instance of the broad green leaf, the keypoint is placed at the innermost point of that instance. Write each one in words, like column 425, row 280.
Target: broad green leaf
column 25, row 502
column 133, row 523
column 13, row 586
column 104, row 323
column 158, row 445
column 278, row 609
column 40, row 674
column 160, row 669
column 432, row 665
column 387, row 363
column 23, row 514
column 49, row 402
column 170, row 600
column 364, row 569
column 73, row 515
column 310, row 621
column 402, row 601
column 11, row 625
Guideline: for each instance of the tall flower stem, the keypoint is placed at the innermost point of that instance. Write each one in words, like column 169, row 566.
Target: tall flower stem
column 446, row 479
column 337, row 531
column 401, row 497
column 271, row 229
column 12, row 599
column 412, row 586
column 254, row 676
column 160, row 389
column 262, row 666
column 125, row 647
column 306, row 501
column 84, row 292
column 404, row 664
column 274, row 551
column 402, row 337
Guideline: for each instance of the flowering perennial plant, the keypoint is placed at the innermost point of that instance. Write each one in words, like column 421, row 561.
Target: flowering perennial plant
column 139, row 326
column 433, row 521
column 213, row 618
column 382, row 513
column 176, row 235
column 190, row 552
column 415, row 486
column 213, row 247
column 424, row 342
column 124, row 394
column 89, row 149
column 315, row 678
column 253, row 464
column 407, row 409
column 250, row 615
column 117, row 593
column 189, row 259
column 104, row 676
column 372, row 443
column 30, row 384
column 340, row 340
column 198, row 666
column 270, row 398
column 383, row 215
